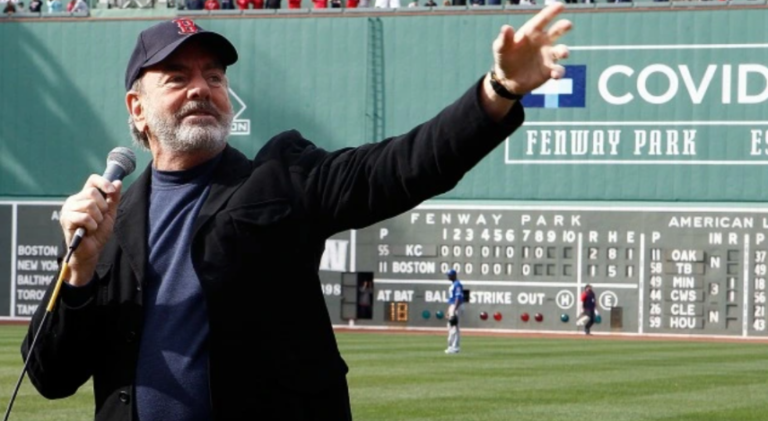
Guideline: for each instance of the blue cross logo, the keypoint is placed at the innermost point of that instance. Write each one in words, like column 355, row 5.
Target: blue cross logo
column 568, row 92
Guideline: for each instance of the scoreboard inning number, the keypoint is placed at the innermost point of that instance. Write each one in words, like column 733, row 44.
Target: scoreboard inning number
column 396, row 311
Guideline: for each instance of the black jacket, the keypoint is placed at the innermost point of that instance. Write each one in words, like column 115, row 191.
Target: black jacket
column 256, row 249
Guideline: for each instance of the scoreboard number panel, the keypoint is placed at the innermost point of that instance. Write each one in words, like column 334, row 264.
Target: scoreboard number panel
column 396, row 311
column 655, row 270
column 672, row 270
column 31, row 242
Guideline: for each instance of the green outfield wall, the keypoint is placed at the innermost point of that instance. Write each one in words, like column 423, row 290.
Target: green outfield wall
column 642, row 172
column 661, row 107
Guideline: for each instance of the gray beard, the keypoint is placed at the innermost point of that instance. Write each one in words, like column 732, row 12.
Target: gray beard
column 174, row 135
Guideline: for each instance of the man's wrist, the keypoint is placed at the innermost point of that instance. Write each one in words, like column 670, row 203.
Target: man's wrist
column 496, row 107
column 500, row 89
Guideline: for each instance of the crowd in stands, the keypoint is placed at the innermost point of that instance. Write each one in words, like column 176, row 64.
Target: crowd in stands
column 56, row 6
column 322, row 4
column 10, row 7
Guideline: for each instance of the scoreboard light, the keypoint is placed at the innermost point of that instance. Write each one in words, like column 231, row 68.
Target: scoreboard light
column 396, row 311
column 564, row 318
column 439, row 314
column 483, row 315
column 426, row 314
column 538, row 317
column 497, row 316
column 525, row 317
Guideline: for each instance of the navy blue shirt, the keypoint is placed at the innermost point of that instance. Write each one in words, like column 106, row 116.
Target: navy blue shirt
column 172, row 373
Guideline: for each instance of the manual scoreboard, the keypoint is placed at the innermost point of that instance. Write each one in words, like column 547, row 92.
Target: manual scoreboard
column 655, row 270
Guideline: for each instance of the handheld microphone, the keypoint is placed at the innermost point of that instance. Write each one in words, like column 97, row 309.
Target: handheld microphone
column 120, row 163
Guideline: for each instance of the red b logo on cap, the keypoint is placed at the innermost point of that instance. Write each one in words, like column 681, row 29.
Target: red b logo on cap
column 186, row 26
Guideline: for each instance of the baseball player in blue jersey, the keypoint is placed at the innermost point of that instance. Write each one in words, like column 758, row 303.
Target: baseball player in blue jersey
column 455, row 302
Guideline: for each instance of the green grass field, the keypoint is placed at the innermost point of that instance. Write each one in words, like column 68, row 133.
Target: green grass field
column 407, row 377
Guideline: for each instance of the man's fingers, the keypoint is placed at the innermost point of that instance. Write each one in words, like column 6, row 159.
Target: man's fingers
column 95, row 210
column 505, row 39
column 113, row 200
column 559, row 52
column 556, row 71
column 87, row 201
column 92, row 195
column 87, row 208
column 115, row 197
column 545, row 16
column 100, row 183
column 84, row 209
column 71, row 221
column 559, row 29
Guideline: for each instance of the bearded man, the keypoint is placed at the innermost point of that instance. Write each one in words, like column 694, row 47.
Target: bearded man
column 164, row 299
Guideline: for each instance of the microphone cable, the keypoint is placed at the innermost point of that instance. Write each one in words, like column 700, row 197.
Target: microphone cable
column 63, row 274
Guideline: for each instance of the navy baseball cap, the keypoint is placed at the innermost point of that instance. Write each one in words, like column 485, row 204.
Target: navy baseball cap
column 158, row 42
column 451, row 272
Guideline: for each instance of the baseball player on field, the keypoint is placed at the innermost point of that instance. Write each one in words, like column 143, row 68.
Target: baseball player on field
column 455, row 302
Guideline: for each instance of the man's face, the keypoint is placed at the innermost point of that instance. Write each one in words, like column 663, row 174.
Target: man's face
column 186, row 101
